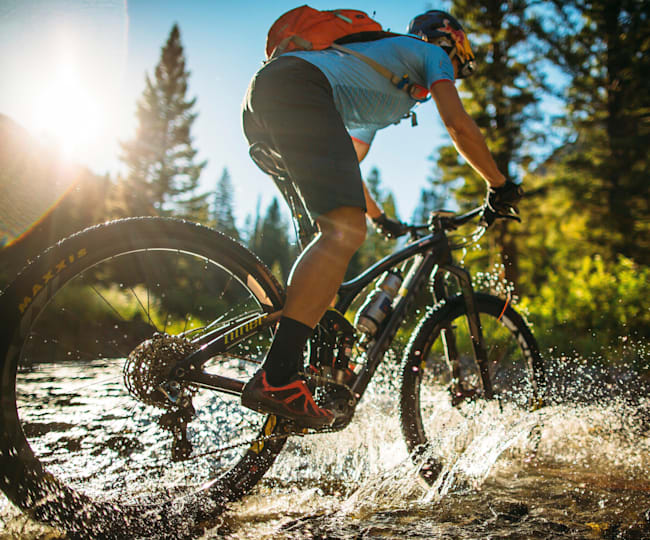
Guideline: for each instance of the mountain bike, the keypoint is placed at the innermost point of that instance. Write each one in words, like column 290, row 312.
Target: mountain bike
column 125, row 347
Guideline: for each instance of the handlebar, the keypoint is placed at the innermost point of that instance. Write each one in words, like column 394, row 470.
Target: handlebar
column 450, row 221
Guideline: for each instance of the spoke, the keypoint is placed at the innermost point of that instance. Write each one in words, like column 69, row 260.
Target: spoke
column 175, row 271
column 495, row 356
column 107, row 303
column 97, row 326
column 248, row 314
column 146, row 311
column 225, row 288
column 148, row 299
column 88, row 390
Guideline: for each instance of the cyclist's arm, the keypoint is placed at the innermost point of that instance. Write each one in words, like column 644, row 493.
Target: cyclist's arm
column 464, row 132
column 373, row 210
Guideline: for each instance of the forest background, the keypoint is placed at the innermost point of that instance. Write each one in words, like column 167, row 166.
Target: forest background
column 579, row 263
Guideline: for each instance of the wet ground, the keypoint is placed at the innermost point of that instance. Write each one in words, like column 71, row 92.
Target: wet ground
column 576, row 469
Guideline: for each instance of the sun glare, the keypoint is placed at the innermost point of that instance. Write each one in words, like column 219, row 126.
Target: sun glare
column 66, row 113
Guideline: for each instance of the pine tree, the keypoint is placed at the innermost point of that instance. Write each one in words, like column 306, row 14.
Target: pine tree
column 606, row 165
column 222, row 214
column 271, row 241
column 162, row 173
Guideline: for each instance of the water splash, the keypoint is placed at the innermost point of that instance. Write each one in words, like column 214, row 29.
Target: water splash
column 573, row 468
column 577, row 468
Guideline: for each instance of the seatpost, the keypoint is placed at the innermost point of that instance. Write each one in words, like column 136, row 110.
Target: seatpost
column 303, row 225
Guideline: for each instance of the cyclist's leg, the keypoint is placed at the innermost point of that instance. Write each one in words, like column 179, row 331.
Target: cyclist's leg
column 314, row 280
column 319, row 271
column 290, row 105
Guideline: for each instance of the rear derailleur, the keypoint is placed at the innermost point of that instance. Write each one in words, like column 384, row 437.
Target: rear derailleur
column 147, row 376
column 175, row 421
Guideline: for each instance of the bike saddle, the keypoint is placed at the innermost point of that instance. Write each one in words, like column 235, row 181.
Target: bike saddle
column 268, row 160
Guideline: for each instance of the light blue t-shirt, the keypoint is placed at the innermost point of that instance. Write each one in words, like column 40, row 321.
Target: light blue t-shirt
column 368, row 101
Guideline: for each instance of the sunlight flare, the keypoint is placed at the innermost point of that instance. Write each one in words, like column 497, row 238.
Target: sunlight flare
column 66, row 111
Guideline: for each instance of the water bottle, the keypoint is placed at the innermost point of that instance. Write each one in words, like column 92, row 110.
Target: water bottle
column 379, row 303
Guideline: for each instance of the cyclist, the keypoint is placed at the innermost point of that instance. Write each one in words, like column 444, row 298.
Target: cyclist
column 320, row 110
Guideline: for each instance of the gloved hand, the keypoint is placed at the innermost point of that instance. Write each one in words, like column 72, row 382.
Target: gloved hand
column 388, row 227
column 503, row 200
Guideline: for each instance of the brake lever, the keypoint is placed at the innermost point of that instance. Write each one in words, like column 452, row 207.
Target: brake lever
column 489, row 216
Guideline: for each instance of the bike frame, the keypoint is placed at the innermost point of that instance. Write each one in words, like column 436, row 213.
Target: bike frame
column 431, row 256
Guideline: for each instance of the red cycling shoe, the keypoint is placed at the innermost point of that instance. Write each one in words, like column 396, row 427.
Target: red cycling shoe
column 292, row 400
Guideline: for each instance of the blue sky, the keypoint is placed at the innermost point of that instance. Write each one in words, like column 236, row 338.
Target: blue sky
column 102, row 49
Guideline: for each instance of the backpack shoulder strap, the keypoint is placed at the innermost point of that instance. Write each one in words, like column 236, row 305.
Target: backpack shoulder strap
column 402, row 83
column 372, row 63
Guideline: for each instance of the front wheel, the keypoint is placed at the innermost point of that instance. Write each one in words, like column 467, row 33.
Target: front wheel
column 77, row 448
column 430, row 384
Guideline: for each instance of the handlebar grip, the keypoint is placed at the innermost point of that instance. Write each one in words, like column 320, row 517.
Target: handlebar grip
column 488, row 217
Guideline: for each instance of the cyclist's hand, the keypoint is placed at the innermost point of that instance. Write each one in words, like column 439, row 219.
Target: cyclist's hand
column 503, row 200
column 388, row 227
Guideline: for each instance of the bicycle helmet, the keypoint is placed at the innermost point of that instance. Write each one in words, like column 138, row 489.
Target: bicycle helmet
column 440, row 28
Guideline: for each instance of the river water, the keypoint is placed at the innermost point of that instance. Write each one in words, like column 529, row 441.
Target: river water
column 578, row 468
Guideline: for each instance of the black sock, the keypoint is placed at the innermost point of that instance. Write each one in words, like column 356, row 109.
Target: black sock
column 285, row 357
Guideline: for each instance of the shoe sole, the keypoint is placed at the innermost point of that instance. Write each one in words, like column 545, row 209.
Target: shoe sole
column 255, row 405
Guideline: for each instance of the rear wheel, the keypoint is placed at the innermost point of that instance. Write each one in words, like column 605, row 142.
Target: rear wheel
column 76, row 446
column 429, row 390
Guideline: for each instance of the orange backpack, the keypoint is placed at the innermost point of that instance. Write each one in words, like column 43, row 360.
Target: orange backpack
column 308, row 29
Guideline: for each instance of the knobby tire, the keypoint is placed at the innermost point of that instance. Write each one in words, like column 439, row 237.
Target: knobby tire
column 517, row 371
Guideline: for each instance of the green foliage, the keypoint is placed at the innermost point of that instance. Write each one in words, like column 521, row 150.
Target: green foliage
column 580, row 256
column 503, row 97
column 162, row 173
column 591, row 307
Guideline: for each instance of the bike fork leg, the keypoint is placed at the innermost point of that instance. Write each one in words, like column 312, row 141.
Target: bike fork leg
column 452, row 359
column 476, row 334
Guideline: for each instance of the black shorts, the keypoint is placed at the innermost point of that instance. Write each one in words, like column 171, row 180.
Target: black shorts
column 289, row 106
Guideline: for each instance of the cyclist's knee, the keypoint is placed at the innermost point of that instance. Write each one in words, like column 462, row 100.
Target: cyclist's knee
column 344, row 226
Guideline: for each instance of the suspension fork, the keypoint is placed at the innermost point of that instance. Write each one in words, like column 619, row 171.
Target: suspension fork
column 448, row 337
column 475, row 330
